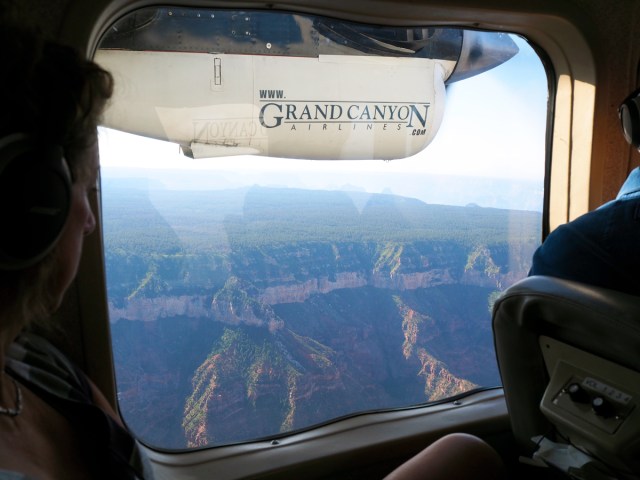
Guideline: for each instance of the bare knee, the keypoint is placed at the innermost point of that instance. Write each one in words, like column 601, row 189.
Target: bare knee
column 456, row 456
column 473, row 449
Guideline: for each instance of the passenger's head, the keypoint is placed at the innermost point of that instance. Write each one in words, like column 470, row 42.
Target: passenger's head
column 51, row 97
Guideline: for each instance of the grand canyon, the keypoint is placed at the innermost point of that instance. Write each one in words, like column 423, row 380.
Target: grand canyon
column 246, row 313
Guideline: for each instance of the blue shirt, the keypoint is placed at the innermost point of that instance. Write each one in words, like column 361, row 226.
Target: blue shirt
column 600, row 248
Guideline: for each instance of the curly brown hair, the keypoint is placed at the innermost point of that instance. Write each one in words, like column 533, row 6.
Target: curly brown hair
column 50, row 92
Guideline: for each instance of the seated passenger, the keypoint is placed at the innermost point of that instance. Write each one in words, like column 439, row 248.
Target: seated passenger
column 54, row 423
column 600, row 248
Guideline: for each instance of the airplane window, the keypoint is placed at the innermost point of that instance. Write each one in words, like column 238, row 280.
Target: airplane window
column 306, row 218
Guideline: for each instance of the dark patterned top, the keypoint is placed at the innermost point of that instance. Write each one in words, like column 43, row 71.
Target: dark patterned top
column 34, row 362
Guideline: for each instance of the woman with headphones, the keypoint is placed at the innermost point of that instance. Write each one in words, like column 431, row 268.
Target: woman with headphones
column 54, row 423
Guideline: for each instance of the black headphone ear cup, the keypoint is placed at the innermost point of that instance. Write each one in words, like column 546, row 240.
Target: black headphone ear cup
column 35, row 197
column 629, row 113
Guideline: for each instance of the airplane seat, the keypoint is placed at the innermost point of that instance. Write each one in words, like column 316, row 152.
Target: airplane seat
column 569, row 358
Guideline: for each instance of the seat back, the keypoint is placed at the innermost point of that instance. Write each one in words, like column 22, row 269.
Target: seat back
column 569, row 358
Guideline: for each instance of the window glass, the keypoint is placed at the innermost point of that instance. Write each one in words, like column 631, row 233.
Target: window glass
column 255, row 295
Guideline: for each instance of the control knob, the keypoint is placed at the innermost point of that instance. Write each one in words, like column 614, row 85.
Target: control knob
column 577, row 393
column 602, row 407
